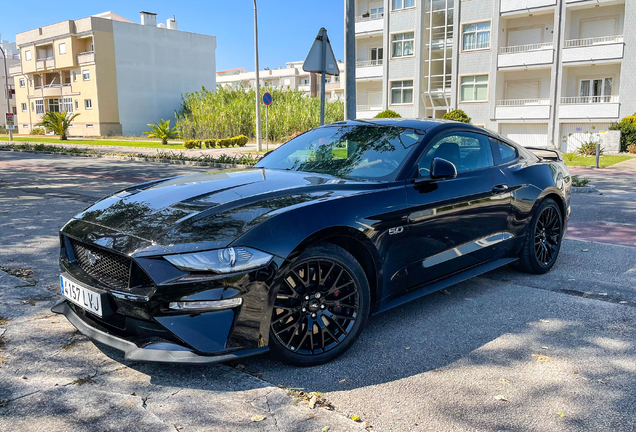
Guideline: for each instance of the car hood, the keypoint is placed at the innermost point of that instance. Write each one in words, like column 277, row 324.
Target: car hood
column 201, row 211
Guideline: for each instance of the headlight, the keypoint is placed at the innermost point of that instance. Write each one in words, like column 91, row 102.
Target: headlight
column 230, row 260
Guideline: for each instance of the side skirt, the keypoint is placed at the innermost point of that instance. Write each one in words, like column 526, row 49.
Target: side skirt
column 445, row 283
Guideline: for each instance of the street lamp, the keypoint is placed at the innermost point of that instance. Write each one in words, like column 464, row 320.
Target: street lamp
column 259, row 143
column 6, row 80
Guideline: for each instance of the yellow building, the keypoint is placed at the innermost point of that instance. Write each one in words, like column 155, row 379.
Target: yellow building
column 113, row 72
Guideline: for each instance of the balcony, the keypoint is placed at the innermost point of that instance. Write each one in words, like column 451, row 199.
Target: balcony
column 593, row 49
column 523, row 109
column 304, row 87
column 52, row 90
column 524, row 5
column 369, row 69
column 370, row 24
column 86, row 57
column 15, row 70
column 46, row 63
column 368, row 111
column 526, row 55
column 588, row 107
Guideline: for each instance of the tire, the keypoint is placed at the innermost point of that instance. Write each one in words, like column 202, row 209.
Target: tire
column 316, row 319
column 544, row 235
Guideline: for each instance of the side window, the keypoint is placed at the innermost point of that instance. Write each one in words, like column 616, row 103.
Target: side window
column 466, row 150
column 507, row 153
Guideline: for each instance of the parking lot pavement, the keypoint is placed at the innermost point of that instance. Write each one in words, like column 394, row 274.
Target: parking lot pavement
column 506, row 351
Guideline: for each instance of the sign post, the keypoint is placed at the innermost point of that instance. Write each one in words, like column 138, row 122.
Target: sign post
column 10, row 122
column 322, row 60
column 267, row 100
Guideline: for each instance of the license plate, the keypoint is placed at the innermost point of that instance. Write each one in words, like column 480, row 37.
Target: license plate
column 83, row 297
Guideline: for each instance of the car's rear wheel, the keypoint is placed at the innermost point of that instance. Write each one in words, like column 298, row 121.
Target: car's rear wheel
column 543, row 239
column 321, row 307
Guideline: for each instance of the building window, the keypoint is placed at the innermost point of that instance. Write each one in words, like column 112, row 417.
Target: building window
column 22, row 83
column 304, row 82
column 15, row 110
column 25, row 126
column 76, row 104
column 74, row 76
column 24, row 107
column 89, row 125
column 27, row 55
column 88, row 104
column 54, row 105
column 476, row 36
column 402, row 45
column 67, row 105
column 62, row 48
column 402, row 92
column 474, row 88
column 86, row 75
column 595, row 90
column 31, row 82
column 403, row 4
column 39, row 106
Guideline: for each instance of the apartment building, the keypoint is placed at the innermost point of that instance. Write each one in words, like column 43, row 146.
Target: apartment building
column 12, row 58
column 291, row 77
column 545, row 72
column 404, row 51
column 117, row 74
column 542, row 72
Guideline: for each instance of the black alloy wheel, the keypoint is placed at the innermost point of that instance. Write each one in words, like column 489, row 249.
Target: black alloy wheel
column 320, row 308
column 543, row 239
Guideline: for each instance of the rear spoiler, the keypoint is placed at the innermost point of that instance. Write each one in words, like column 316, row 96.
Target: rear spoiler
column 544, row 153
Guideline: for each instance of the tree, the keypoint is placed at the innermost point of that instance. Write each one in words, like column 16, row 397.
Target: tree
column 163, row 130
column 457, row 115
column 58, row 122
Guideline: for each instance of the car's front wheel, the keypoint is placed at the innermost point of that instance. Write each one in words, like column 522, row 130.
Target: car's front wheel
column 321, row 307
column 543, row 239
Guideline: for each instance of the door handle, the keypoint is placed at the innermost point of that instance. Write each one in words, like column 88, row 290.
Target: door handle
column 499, row 189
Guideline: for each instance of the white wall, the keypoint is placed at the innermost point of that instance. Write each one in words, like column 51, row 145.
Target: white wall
column 155, row 67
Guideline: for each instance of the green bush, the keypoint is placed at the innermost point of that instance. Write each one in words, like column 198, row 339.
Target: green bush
column 37, row 131
column 457, row 115
column 230, row 113
column 210, row 143
column 627, row 126
column 190, row 144
column 241, row 140
column 589, row 149
column 579, row 182
column 388, row 114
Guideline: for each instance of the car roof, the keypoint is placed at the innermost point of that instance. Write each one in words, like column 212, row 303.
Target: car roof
column 421, row 124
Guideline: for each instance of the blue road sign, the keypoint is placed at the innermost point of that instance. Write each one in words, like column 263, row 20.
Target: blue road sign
column 267, row 99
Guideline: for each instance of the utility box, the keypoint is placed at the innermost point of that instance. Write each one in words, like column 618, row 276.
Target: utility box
column 611, row 141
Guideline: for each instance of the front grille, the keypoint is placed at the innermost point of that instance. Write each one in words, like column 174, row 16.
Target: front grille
column 111, row 269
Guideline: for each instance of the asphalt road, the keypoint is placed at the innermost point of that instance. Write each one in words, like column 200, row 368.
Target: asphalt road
column 506, row 351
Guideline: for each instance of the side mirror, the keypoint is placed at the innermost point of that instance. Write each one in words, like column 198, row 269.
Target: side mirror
column 441, row 169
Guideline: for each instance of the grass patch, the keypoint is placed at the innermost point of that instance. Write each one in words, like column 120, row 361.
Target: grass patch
column 604, row 161
column 82, row 381
column 97, row 142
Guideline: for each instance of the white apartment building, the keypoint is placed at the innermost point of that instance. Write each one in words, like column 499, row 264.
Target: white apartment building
column 292, row 77
column 534, row 70
column 13, row 58
column 545, row 72
column 404, row 52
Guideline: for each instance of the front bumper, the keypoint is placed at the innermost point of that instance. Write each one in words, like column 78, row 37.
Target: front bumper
column 159, row 351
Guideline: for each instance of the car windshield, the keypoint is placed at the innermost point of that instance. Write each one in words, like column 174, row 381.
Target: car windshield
column 366, row 152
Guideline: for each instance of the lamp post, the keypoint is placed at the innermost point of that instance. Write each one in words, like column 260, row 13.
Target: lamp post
column 350, row 60
column 259, row 143
column 6, row 89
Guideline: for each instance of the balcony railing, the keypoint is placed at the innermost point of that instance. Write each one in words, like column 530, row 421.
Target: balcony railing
column 575, row 43
column 369, row 63
column 522, row 102
column 526, row 48
column 15, row 70
column 370, row 17
column 369, row 107
column 589, row 100
column 86, row 57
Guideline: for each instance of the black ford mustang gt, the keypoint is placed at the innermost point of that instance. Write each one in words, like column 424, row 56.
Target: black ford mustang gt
column 293, row 255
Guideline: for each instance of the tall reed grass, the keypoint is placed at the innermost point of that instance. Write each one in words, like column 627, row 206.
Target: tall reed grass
column 228, row 112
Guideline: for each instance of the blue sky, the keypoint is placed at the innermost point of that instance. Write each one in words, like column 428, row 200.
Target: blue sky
column 287, row 28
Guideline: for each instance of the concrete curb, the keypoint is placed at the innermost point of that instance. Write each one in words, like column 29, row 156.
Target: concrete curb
column 586, row 189
column 132, row 158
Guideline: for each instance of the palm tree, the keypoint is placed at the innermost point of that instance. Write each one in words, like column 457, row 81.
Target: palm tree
column 58, row 122
column 162, row 130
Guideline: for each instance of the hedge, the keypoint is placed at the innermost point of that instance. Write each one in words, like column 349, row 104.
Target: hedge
column 238, row 141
